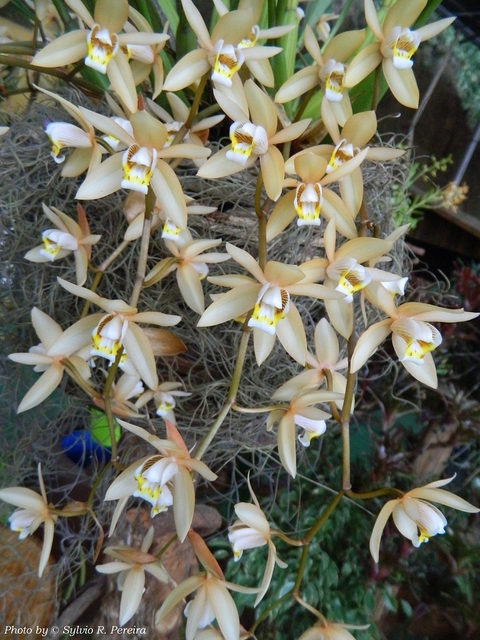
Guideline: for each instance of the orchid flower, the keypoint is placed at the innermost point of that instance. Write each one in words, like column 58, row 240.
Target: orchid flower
column 325, row 360
column 87, row 154
column 259, row 67
column 328, row 71
column 218, row 52
column 164, row 397
column 415, row 517
column 56, row 347
column 163, row 479
column 67, row 238
column 142, row 164
column 311, row 198
column 250, row 531
column 413, row 336
column 191, row 266
column 34, row 510
column 268, row 296
column 330, row 631
column 297, row 410
column 212, row 602
column 134, row 209
column 356, row 133
column 119, row 330
column 343, row 271
column 100, row 46
column 396, row 44
column 131, row 564
column 253, row 136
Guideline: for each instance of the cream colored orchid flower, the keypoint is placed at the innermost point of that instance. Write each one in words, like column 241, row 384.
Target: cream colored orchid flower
column 395, row 46
column 343, row 271
column 164, row 397
column 328, row 71
column 142, row 164
column 250, row 531
column 67, row 238
column 324, row 362
column 218, row 52
column 87, row 154
column 34, row 510
column 131, row 564
column 330, row 631
column 298, row 409
column 356, row 133
column 118, row 330
column 415, row 517
column 413, row 336
column 100, row 46
column 163, row 480
column 191, row 266
column 212, row 602
column 259, row 67
column 311, row 198
column 134, row 209
column 268, row 297
column 50, row 356
column 253, row 136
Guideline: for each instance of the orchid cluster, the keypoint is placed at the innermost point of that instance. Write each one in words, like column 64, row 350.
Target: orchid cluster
column 308, row 173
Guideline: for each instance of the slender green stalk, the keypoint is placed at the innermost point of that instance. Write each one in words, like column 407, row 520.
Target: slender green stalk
column 268, row 611
column 232, row 392
column 374, row 494
column 262, row 223
column 13, row 61
column 142, row 258
column 108, row 405
column 345, row 427
column 318, row 524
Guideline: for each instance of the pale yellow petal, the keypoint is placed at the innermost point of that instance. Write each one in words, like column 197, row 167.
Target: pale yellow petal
column 189, row 69
column 368, row 343
column 291, row 333
column 363, row 64
column 403, row 14
column 67, row 49
column 43, row 387
column 139, row 351
column 131, row 594
column 379, row 526
column 298, row 84
column 402, row 84
column 273, row 172
column 106, row 179
column 183, row 502
column 169, row 192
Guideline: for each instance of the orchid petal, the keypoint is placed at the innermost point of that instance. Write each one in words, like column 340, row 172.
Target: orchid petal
column 379, row 526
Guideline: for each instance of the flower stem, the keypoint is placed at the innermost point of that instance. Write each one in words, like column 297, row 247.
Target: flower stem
column 318, row 524
column 144, row 245
column 262, row 223
column 374, row 494
column 232, row 392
